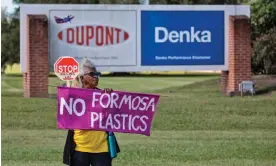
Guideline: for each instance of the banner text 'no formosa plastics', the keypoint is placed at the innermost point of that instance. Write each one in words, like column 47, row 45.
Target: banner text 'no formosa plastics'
column 95, row 110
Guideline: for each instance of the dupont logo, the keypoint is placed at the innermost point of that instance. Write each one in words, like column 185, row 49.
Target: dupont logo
column 93, row 35
column 63, row 20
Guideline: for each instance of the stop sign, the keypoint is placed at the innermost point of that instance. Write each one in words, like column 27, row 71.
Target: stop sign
column 66, row 68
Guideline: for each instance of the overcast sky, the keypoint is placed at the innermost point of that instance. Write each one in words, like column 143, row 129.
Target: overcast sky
column 8, row 3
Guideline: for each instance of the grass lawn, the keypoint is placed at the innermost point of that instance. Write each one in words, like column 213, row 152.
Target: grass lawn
column 194, row 125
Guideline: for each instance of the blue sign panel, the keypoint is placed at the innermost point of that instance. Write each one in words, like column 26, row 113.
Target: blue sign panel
column 182, row 38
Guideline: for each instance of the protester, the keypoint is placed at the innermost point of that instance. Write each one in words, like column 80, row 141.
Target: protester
column 85, row 147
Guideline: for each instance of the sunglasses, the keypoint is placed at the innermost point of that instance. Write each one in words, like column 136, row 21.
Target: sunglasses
column 94, row 74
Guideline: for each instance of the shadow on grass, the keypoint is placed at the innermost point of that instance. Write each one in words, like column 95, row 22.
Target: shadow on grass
column 265, row 84
column 12, row 75
column 159, row 75
column 211, row 85
column 123, row 74
column 52, row 96
column 12, row 94
column 15, row 94
column 21, row 75
column 266, row 90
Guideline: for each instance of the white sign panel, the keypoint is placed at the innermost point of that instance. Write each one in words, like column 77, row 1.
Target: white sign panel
column 133, row 38
column 106, row 37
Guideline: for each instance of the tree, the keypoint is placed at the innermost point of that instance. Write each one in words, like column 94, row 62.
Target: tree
column 53, row 1
column 132, row 1
column 77, row 1
column 9, row 39
column 263, row 24
column 264, row 61
column 4, row 45
column 262, row 17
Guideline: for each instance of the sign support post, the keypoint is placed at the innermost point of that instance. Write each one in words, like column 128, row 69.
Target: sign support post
column 68, row 83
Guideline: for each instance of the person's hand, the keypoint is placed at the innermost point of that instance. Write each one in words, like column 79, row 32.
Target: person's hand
column 108, row 90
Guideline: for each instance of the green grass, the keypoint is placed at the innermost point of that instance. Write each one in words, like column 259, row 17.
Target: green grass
column 194, row 125
column 11, row 85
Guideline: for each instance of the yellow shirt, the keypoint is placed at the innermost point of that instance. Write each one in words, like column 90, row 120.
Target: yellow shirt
column 91, row 141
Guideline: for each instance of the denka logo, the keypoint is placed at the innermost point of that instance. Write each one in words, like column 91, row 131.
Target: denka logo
column 93, row 35
column 63, row 20
column 182, row 36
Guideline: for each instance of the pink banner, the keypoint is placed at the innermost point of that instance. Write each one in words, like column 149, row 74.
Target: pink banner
column 123, row 112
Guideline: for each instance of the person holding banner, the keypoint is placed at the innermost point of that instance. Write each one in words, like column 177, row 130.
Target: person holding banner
column 89, row 147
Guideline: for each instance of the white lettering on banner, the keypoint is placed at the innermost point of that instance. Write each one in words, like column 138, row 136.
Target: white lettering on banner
column 144, row 123
column 117, row 121
column 125, row 100
column 109, row 121
column 182, row 36
column 124, row 119
column 134, row 128
column 108, row 101
column 112, row 101
column 113, row 121
column 101, row 124
column 129, row 122
column 94, row 118
column 135, row 107
column 143, row 103
column 94, row 99
column 72, row 106
column 114, row 97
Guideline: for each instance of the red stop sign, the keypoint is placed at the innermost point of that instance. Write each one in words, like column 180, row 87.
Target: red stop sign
column 66, row 68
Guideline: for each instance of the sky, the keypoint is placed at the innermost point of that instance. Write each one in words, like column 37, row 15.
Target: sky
column 8, row 3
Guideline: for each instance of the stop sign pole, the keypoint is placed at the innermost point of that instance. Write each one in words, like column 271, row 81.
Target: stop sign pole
column 66, row 68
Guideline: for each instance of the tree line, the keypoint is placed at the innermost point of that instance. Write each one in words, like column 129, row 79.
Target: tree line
column 263, row 24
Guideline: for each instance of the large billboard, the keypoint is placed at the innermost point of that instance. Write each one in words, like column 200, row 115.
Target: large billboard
column 129, row 38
